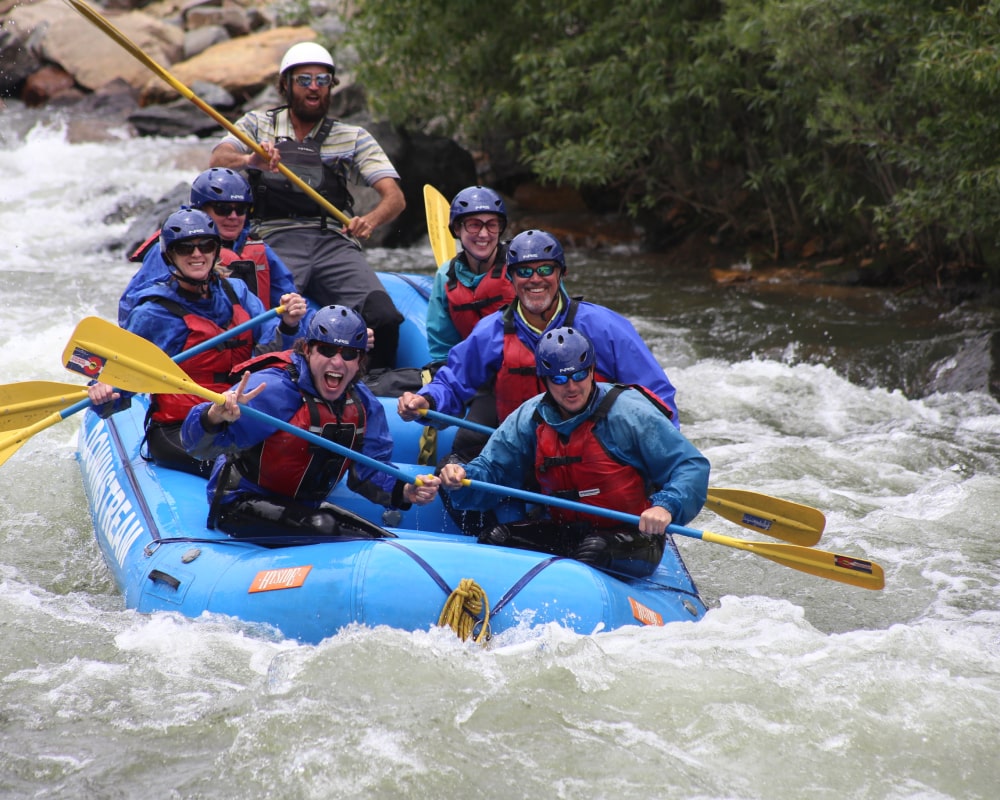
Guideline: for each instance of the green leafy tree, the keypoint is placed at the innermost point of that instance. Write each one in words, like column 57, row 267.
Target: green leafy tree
column 868, row 120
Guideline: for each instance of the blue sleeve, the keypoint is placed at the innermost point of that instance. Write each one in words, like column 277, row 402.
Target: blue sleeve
column 375, row 484
column 152, row 269
column 471, row 363
column 508, row 459
column 159, row 326
column 636, row 433
column 442, row 334
column 280, row 399
column 622, row 355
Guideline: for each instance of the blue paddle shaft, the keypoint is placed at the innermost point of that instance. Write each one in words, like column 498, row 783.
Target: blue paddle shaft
column 346, row 452
column 572, row 505
column 461, row 423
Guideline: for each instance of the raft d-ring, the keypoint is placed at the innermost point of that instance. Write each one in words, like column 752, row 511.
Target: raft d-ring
column 481, row 631
column 151, row 548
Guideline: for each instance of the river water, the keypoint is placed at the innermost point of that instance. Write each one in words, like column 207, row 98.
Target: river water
column 792, row 686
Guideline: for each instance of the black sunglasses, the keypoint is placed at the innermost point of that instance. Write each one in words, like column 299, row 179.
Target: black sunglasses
column 226, row 209
column 330, row 350
column 205, row 247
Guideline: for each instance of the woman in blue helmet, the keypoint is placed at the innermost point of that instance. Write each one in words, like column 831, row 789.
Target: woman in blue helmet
column 474, row 283
column 599, row 444
column 226, row 197
column 267, row 482
column 189, row 305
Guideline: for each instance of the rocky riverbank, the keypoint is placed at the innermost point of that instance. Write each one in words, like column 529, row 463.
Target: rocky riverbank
column 226, row 53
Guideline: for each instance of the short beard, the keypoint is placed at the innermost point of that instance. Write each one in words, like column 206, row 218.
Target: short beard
column 297, row 107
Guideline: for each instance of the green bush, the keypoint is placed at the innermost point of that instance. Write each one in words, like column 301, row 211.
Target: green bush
column 870, row 121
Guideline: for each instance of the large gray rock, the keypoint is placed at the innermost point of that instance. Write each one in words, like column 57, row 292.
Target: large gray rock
column 18, row 57
column 421, row 159
column 974, row 367
column 91, row 56
column 243, row 67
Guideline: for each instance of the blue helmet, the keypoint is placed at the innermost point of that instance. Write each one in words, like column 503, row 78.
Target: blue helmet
column 220, row 185
column 188, row 223
column 476, row 200
column 338, row 325
column 534, row 245
column 563, row 351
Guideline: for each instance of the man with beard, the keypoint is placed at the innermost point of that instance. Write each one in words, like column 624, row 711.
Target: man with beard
column 325, row 258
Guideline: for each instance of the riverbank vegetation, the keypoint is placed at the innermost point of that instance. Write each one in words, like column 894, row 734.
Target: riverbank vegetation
column 862, row 127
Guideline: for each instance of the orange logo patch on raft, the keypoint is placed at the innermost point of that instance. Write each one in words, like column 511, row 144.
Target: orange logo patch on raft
column 269, row 580
column 644, row 614
column 85, row 363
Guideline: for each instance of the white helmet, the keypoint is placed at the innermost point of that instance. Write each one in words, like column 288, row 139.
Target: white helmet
column 306, row 53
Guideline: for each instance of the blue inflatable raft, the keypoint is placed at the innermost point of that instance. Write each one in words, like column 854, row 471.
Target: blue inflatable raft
column 150, row 525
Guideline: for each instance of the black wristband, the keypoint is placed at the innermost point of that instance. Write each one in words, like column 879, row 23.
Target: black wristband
column 398, row 499
column 210, row 427
column 285, row 329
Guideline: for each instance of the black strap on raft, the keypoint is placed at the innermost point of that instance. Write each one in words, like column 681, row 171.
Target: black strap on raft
column 417, row 287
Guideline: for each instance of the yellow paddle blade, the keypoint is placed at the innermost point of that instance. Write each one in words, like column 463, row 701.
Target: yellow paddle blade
column 782, row 519
column 103, row 351
column 11, row 441
column 27, row 402
column 438, row 209
column 821, row 563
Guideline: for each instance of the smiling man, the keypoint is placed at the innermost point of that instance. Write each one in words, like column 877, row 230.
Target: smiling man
column 267, row 482
column 597, row 444
column 493, row 369
column 324, row 257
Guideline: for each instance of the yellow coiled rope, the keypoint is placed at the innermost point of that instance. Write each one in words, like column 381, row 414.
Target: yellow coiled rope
column 462, row 612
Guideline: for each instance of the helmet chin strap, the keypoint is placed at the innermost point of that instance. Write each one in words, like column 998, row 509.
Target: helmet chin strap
column 200, row 284
column 480, row 263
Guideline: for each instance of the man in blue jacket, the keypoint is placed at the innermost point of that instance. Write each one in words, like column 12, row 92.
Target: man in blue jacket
column 268, row 482
column 597, row 444
column 493, row 369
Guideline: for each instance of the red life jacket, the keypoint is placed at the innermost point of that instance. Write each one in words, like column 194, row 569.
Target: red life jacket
column 140, row 252
column 517, row 379
column 289, row 466
column 467, row 306
column 210, row 369
column 581, row 469
column 250, row 265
